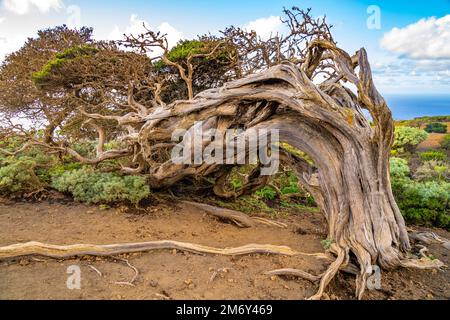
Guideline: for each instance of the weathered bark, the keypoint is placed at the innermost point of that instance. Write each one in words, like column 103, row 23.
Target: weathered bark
column 350, row 177
column 350, row 180
column 58, row 251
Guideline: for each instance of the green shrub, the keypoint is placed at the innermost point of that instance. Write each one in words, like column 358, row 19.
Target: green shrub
column 432, row 170
column 60, row 169
column 18, row 176
column 87, row 185
column 407, row 138
column 445, row 143
column 432, row 155
column 267, row 193
column 399, row 167
column 436, row 127
column 426, row 203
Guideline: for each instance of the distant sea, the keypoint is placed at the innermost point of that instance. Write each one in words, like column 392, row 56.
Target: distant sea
column 405, row 107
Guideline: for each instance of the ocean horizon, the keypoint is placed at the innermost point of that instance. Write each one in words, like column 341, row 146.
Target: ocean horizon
column 410, row 106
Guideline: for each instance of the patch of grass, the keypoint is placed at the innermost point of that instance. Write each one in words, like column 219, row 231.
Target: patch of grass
column 326, row 243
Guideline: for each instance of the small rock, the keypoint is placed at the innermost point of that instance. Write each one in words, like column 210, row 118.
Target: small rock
column 273, row 278
column 188, row 281
column 153, row 283
column 174, row 251
column 24, row 262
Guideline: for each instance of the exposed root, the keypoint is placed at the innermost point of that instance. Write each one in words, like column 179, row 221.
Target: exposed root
column 96, row 270
column 60, row 252
column 136, row 274
column 294, row 273
column 331, row 272
column 422, row 263
column 239, row 218
column 429, row 238
column 270, row 222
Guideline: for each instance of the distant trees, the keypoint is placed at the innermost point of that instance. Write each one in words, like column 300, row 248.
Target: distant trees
column 19, row 96
column 436, row 127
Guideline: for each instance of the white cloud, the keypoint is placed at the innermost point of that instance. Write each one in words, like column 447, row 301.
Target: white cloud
column 425, row 39
column 173, row 35
column 2, row 19
column 136, row 27
column 264, row 27
column 22, row 7
column 10, row 44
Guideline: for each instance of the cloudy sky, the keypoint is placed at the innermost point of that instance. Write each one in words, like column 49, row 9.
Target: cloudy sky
column 408, row 41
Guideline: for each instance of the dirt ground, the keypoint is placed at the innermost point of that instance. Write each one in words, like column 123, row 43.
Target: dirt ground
column 178, row 275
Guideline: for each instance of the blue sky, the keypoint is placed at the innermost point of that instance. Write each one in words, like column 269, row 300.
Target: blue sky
column 401, row 64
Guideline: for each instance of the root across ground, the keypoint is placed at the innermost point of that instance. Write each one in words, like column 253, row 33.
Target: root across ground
column 173, row 274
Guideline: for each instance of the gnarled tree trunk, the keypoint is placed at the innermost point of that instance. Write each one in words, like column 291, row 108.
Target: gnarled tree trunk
column 350, row 176
column 350, row 179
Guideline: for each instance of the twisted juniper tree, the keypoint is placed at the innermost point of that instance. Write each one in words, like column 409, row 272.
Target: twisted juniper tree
column 301, row 84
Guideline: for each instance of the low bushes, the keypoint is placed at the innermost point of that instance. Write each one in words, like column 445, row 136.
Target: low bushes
column 89, row 186
column 406, row 138
column 423, row 202
column 445, row 143
column 433, row 155
column 432, row 170
column 426, row 202
column 18, row 176
column 436, row 127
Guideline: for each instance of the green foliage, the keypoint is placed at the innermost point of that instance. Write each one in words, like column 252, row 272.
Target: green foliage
column 289, row 185
column 182, row 51
column 87, row 185
column 296, row 152
column 267, row 193
column 60, row 169
column 436, row 127
column 420, row 121
column 326, row 244
column 445, row 143
column 407, row 138
column 424, row 202
column 236, row 183
column 432, row 170
column 79, row 51
column 399, row 167
column 18, row 176
column 185, row 48
column 247, row 204
column 433, row 155
column 40, row 76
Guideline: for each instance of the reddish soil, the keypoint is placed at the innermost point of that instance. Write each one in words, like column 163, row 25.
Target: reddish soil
column 179, row 275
